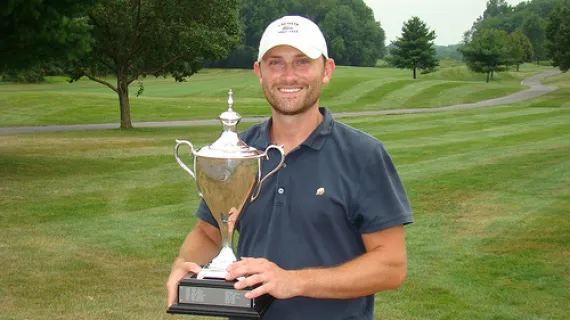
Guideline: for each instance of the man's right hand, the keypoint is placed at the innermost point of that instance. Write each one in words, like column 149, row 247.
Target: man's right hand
column 180, row 269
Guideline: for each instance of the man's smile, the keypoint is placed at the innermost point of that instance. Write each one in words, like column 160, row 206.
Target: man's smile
column 289, row 90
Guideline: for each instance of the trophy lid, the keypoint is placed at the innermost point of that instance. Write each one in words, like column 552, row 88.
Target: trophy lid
column 229, row 144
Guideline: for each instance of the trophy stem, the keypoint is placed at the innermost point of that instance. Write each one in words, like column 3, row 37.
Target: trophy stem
column 217, row 268
column 224, row 259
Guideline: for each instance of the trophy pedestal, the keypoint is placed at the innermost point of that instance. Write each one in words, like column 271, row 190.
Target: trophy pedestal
column 217, row 297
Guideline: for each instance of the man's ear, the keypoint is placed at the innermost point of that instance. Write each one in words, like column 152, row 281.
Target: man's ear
column 329, row 69
column 257, row 70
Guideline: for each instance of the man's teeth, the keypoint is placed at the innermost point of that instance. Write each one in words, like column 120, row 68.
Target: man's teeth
column 290, row 90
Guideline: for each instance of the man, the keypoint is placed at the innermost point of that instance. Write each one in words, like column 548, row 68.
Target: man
column 326, row 232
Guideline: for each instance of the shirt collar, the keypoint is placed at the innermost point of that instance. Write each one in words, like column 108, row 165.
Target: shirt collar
column 315, row 140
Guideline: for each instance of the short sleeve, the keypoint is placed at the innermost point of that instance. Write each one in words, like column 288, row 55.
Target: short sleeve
column 382, row 202
column 204, row 214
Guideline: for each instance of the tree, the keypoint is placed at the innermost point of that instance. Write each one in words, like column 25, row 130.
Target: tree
column 528, row 16
column 353, row 40
column 496, row 8
column 255, row 15
column 533, row 28
column 558, row 38
column 38, row 31
column 448, row 52
column 354, row 37
column 132, row 39
column 415, row 48
column 487, row 52
column 520, row 48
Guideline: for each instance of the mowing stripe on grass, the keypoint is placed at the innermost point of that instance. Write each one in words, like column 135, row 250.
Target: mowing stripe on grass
column 490, row 93
column 376, row 95
column 436, row 148
column 424, row 98
column 397, row 99
column 419, row 122
column 413, row 118
column 453, row 127
column 344, row 88
column 428, row 168
column 556, row 99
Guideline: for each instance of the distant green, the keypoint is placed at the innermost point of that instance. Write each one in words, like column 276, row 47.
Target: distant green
column 204, row 95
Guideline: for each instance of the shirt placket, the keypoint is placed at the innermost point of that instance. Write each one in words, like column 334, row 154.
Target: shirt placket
column 282, row 187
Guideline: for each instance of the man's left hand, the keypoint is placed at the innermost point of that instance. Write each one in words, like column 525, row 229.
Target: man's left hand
column 279, row 283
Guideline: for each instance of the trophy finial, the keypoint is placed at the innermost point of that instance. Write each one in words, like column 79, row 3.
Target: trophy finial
column 230, row 118
column 230, row 100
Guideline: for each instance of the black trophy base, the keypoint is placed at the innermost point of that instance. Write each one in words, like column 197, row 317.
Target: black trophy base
column 217, row 297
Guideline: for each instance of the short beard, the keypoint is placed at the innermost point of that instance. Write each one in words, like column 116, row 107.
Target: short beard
column 309, row 102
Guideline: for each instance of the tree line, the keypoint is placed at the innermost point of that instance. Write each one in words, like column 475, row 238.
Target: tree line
column 508, row 35
column 354, row 37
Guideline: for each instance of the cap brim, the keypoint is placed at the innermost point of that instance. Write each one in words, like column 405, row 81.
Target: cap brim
column 307, row 49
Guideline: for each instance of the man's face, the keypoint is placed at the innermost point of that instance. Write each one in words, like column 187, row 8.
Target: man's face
column 292, row 81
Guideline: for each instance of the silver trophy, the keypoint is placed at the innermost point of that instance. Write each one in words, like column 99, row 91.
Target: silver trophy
column 227, row 174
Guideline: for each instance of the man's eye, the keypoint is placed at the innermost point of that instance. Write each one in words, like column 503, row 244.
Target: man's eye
column 302, row 62
column 275, row 63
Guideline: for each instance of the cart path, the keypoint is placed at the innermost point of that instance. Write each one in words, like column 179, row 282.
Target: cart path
column 536, row 89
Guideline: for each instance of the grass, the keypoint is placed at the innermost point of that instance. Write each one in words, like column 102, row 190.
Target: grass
column 91, row 221
column 203, row 95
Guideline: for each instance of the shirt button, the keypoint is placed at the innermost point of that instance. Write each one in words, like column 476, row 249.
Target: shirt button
column 284, row 165
column 280, row 191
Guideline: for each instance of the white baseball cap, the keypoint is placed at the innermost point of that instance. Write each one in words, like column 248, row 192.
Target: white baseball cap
column 297, row 32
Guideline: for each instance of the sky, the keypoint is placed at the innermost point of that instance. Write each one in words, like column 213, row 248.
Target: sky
column 448, row 18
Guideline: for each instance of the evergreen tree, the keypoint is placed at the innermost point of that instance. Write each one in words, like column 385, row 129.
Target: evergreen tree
column 558, row 38
column 487, row 52
column 415, row 48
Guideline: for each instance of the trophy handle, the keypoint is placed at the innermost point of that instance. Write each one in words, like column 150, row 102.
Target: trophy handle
column 176, row 147
column 258, row 188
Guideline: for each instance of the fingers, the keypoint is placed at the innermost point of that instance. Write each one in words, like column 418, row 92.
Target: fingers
column 192, row 267
column 265, row 285
column 179, row 270
column 257, row 292
column 257, row 272
column 246, row 267
column 249, row 281
column 171, row 288
column 266, row 276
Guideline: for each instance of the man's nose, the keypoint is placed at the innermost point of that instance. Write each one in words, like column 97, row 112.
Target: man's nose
column 289, row 72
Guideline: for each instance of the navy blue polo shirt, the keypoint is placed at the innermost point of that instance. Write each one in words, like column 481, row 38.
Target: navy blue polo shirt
column 337, row 185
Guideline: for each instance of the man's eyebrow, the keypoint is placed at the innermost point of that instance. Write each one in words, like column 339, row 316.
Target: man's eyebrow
column 300, row 55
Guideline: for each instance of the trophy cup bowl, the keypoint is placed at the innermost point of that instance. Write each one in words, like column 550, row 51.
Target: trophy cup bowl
column 228, row 175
